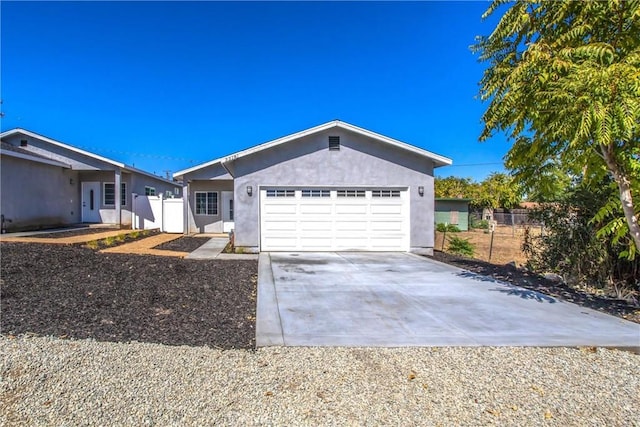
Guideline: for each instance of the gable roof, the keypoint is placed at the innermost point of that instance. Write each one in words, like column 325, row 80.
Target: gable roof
column 7, row 149
column 437, row 159
column 60, row 144
column 18, row 152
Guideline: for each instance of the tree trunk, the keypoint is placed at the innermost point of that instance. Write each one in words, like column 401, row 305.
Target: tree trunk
column 624, row 185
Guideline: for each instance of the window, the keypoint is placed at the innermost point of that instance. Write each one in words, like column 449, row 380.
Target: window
column 206, row 203
column 281, row 193
column 231, row 210
column 149, row 191
column 385, row 193
column 334, row 143
column 176, row 191
column 316, row 193
column 350, row 193
column 109, row 194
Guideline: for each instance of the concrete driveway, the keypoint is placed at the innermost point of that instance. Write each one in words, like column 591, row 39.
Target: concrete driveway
column 397, row 299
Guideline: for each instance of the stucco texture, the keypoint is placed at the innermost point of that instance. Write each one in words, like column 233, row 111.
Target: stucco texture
column 360, row 162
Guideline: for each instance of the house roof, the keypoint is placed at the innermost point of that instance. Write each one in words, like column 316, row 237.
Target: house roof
column 60, row 144
column 437, row 159
column 7, row 149
column 37, row 157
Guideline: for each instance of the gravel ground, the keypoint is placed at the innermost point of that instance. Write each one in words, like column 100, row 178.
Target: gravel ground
column 183, row 244
column 48, row 381
column 72, row 291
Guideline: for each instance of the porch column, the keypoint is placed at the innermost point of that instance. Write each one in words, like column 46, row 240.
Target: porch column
column 118, row 196
column 186, row 206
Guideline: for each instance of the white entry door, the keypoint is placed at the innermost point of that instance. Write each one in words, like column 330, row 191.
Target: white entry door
column 227, row 211
column 334, row 219
column 91, row 202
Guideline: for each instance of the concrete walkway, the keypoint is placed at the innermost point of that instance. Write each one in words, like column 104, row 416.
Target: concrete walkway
column 397, row 299
column 211, row 249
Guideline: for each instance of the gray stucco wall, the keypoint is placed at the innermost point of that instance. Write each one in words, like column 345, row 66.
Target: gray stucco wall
column 206, row 223
column 359, row 162
column 46, row 196
column 35, row 195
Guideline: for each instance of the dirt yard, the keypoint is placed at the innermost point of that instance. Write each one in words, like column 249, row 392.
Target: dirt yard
column 72, row 291
column 507, row 244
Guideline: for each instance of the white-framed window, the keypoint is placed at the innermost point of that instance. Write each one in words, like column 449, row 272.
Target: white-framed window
column 281, row 193
column 385, row 193
column 316, row 193
column 176, row 191
column 350, row 193
column 206, row 203
column 109, row 194
column 149, row 191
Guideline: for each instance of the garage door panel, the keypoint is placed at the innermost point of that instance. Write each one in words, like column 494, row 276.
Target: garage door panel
column 387, row 225
column 351, row 209
column 343, row 225
column 339, row 220
column 315, row 226
column 316, row 244
column 282, row 243
column 352, row 242
column 280, row 209
column 384, row 209
column 316, row 209
column 275, row 226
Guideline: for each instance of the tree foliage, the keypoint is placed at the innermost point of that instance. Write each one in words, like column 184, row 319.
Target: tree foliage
column 563, row 82
column 498, row 190
column 571, row 246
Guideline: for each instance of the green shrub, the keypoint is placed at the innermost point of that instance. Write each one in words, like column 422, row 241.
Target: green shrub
column 460, row 246
column 478, row 223
column 449, row 228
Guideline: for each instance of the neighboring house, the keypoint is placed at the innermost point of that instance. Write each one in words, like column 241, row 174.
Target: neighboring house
column 334, row 187
column 453, row 211
column 46, row 183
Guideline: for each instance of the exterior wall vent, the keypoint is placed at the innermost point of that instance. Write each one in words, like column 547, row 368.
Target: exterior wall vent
column 23, row 143
column 334, row 143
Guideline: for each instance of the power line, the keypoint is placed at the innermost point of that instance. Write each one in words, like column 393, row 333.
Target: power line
column 476, row 164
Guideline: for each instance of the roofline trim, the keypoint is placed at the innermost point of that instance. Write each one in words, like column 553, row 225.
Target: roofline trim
column 33, row 158
column 60, row 144
column 437, row 159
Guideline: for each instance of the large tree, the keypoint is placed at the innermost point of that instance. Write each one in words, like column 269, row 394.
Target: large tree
column 563, row 82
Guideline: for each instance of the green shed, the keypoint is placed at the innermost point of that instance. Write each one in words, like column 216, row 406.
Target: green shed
column 453, row 211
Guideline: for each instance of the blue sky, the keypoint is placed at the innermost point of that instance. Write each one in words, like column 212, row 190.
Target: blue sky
column 165, row 86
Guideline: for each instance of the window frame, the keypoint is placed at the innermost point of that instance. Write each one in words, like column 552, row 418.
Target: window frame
column 280, row 192
column 215, row 206
column 123, row 194
column 315, row 193
column 350, row 193
column 149, row 191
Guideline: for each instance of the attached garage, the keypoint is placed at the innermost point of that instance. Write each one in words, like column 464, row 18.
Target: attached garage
column 333, row 187
column 334, row 219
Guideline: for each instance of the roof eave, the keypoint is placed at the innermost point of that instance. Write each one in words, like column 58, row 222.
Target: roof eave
column 438, row 160
column 60, row 144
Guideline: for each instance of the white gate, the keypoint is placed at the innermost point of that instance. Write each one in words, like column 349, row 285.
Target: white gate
column 150, row 212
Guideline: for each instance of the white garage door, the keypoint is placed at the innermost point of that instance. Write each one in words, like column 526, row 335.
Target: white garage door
column 334, row 219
